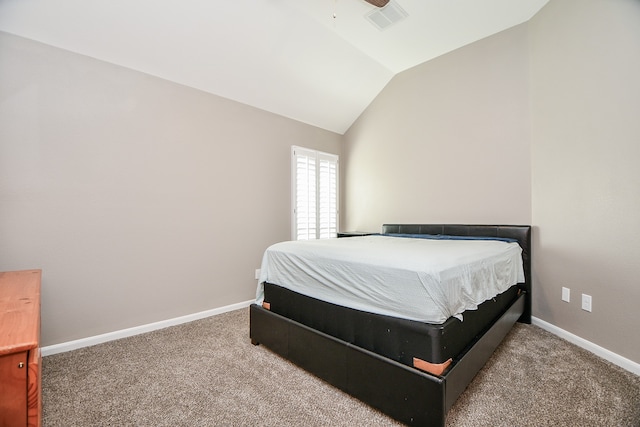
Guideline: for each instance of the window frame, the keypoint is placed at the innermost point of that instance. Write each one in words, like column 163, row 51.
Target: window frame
column 318, row 157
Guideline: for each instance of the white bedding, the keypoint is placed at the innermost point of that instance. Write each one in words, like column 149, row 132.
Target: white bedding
column 411, row 278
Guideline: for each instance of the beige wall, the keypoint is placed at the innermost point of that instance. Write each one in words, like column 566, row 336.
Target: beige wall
column 538, row 124
column 446, row 141
column 585, row 86
column 141, row 200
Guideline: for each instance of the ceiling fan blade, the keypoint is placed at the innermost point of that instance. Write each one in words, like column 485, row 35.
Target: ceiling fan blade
column 378, row 3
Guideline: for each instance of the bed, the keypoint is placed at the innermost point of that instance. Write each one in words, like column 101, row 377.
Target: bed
column 411, row 369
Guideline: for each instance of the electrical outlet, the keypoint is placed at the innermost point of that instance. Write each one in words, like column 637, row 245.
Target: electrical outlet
column 257, row 273
column 566, row 294
column 586, row 302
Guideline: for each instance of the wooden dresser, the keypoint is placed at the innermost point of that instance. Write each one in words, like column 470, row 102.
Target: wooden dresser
column 20, row 402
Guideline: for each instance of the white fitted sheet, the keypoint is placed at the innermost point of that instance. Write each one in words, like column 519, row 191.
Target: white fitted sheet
column 411, row 278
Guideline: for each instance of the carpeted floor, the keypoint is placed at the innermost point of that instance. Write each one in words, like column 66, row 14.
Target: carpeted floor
column 207, row 373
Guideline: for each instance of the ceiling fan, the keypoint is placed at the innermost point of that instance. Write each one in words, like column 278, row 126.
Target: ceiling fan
column 378, row 3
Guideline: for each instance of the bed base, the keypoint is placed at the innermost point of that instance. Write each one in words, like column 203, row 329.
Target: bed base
column 412, row 343
column 404, row 393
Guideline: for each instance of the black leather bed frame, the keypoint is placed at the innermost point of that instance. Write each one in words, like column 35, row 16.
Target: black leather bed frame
column 369, row 371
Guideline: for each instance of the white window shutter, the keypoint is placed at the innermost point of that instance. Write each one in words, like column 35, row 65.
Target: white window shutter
column 327, row 196
column 314, row 194
column 305, row 195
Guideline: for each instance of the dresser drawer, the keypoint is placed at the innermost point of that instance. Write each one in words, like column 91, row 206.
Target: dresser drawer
column 20, row 358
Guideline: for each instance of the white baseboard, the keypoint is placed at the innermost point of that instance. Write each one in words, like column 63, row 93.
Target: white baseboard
column 98, row 339
column 612, row 357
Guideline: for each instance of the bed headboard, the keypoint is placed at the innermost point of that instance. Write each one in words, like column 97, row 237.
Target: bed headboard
column 522, row 233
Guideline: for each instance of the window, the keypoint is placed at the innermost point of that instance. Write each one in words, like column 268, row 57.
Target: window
column 314, row 194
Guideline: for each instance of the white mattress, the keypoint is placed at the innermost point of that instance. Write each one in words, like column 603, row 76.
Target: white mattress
column 411, row 278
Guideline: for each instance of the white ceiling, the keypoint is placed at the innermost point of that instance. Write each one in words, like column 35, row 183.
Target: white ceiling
column 290, row 57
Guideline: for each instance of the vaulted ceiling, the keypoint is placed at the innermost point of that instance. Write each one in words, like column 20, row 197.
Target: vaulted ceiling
column 317, row 61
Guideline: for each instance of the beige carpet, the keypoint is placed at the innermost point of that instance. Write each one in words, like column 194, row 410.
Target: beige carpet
column 207, row 373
